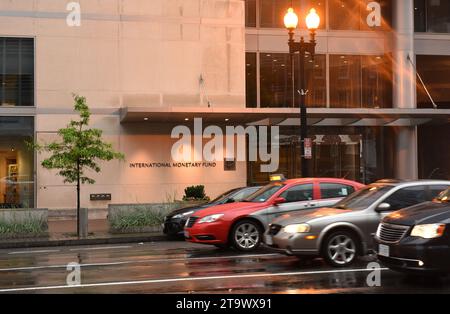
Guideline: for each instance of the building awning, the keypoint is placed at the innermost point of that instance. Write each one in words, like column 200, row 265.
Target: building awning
column 287, row 116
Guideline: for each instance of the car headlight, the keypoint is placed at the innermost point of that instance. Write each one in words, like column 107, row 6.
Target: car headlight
column 210, row 218
column 183, row 215
column 298, row 228
column 430, row 231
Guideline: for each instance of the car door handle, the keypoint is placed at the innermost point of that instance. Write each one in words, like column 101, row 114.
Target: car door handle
column 312, row 205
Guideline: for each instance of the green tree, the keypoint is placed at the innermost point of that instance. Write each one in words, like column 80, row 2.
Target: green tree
column 79, row 150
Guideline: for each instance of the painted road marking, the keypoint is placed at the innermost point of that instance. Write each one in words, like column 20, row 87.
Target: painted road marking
column 32, row 252
column 143, row 261
column 141, row 282
column 101, row 248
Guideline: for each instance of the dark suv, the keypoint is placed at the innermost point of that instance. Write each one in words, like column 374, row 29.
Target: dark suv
column 417, row 238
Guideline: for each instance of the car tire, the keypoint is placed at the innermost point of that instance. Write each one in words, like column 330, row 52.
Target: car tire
column 340, row 249
column 246, row 235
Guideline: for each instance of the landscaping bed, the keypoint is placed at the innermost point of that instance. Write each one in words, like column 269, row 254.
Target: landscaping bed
column 142, row 218
column 23, row 223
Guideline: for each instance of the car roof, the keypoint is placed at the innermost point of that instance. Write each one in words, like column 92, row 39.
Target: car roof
column 331, row 180
column 404, row 183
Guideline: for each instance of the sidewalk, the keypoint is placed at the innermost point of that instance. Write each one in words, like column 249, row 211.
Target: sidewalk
column 63, row 233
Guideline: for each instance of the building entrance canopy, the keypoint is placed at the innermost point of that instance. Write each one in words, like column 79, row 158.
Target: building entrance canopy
column 288, row 116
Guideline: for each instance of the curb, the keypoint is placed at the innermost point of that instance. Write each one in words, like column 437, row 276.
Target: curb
column 75, row 242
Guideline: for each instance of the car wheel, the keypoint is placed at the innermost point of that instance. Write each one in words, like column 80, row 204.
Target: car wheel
column 246, row 235
column 340, row 249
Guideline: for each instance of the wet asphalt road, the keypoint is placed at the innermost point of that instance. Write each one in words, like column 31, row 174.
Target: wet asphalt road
column 179, row 267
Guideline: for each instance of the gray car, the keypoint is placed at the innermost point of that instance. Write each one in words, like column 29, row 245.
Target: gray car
column 342, row 232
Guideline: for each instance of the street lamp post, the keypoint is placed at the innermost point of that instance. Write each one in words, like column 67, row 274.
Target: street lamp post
column 302, row 47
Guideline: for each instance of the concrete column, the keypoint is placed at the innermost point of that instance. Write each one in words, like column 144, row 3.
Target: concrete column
column 404, row 93
column 404, row 74
column 406, row 154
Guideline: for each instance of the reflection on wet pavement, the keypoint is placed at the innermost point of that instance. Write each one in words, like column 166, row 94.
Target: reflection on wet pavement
column 178, row 267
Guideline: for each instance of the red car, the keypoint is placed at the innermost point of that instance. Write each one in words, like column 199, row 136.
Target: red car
column 242, row 224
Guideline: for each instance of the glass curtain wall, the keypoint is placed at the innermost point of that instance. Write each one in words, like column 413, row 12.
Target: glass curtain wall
column 355, row 81
column 16, row 162
column 276, row 80
column 364, row 154
column 337, row 14
column 434, row 71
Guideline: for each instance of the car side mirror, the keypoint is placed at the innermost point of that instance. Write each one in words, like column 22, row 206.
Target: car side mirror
column 383, row 207
column 279, row 200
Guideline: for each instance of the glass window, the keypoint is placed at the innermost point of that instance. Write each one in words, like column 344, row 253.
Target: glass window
column 224, row 196
column 420, row 19
column 377, row 79
column 16, row 163
column 361, row 154
column 363, row 198
column 251, row 79
column 344, row 14
column 438, row 16
column 436, row 190
column 16, row 72
column 334, row 190
column 273, row 11
column 276, row 80
column 432, row 16
column 243, row 194
column 298, row 193
column 434, row 71
column 345, row 81
column 306, row 6
column 434, row 151
column 265, row 193
column 360, row 81
column 444, row 197
column 353, row 14
column 407, row 197
column 250, row 13
column 316, row 81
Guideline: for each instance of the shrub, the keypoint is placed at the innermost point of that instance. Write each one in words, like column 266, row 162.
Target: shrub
column 196, row 192
column 29, row 226
column 136, row 218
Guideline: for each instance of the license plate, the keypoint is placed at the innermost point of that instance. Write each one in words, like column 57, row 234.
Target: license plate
column 383, row 250
column 268, row 240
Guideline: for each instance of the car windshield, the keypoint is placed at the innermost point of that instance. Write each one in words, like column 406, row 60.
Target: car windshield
column 444, row 197
column 363, row 198
column 265, row 193
column 223, row 196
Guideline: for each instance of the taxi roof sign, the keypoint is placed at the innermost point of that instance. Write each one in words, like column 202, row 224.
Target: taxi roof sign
column 277, row 177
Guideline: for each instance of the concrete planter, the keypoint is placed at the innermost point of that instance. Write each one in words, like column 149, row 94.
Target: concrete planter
column 142, row 218
column 23, row 223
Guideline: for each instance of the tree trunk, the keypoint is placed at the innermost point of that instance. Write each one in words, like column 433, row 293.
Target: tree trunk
column 78, row 198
